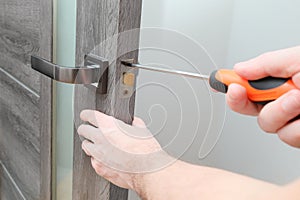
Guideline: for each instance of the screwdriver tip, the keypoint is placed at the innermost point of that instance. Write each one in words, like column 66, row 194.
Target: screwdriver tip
column 127, row 63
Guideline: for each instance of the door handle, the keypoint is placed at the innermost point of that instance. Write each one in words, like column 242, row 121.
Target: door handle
column 94, row 72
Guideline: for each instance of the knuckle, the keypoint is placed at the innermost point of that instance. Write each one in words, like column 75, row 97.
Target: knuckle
column 289, row 71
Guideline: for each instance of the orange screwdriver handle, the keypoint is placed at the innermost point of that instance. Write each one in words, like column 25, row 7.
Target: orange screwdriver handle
column 260, row 91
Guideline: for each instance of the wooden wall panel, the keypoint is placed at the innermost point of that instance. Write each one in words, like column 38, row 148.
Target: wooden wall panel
column 19, row 38
column 46, row 100
column 19, row 144
column 26, row 98
column 8, row 188
column 99, row 21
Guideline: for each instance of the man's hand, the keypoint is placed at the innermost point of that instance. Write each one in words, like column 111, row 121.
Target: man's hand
column 275, row 117
column 119, row 152
column 130, row 157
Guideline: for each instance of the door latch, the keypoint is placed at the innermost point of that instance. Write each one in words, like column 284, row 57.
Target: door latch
column 94, row 72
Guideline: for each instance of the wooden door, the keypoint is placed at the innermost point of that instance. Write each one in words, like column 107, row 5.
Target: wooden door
column 100, row 31
column 25, row 100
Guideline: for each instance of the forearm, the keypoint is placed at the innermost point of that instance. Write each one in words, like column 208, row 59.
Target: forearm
column 185, row 181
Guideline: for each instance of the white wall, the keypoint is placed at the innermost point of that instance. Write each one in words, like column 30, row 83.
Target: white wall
column 184, row 111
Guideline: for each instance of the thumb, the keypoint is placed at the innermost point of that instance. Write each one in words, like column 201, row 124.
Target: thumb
column 282, row 63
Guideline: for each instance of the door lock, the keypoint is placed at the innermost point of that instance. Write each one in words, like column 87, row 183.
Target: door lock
column 94, row 72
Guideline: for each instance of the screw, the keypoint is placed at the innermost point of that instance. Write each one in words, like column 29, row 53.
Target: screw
column 125, row 92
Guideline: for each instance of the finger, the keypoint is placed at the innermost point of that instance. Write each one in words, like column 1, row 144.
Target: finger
column 98, row 167
column 89, row 132
column 296, row 80
column 97, row 150
column 97, row 118
column 89, row 116
column 138, row 122
column 282, row 63
column 102, row 170
column 278, row 113
column 93, row 150
column 290, row 134
column 238, row 101
column 87, row 146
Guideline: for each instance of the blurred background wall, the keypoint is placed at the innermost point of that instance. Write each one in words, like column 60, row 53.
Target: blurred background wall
column 189, row 120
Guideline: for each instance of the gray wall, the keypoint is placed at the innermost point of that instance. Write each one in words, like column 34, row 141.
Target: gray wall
column 257, row 27
column 229, row 31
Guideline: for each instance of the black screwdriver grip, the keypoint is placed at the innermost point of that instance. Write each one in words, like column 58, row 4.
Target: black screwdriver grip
column 268, row 83
column 260, row 91
column 217, row 84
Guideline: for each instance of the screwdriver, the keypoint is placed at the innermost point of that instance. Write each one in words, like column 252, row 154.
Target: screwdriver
column 260, row 91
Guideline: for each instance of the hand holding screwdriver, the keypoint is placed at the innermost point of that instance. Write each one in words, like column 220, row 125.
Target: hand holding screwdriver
column 261, row 91
column 276, row 116
column 272, row 79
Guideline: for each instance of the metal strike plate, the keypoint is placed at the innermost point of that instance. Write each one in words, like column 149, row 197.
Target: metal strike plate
column 94, row 72
column 128, row 80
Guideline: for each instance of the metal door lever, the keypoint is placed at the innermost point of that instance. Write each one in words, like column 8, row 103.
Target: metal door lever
column 94, row 71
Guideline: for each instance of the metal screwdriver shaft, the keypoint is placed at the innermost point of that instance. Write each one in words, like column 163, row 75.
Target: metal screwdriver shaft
column 169, row 71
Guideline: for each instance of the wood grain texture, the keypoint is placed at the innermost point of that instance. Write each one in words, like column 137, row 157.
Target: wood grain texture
column 86, row 183
column 45, row 111
column 26, row 96
column 19, row 144
column 128, row 44
column 46, row 101
column 8, row 189
column 99, row 24
column 19, row 38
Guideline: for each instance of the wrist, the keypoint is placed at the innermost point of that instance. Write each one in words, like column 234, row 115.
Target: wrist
column 155, row 184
